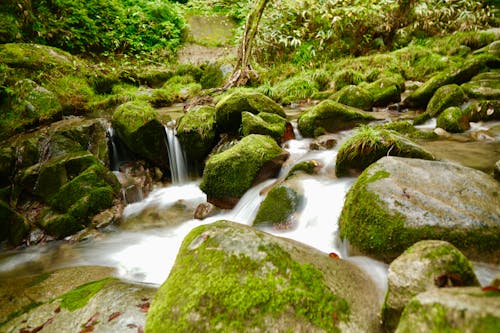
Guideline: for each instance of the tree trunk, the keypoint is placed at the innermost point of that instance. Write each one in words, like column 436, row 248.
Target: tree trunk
column 243, row 70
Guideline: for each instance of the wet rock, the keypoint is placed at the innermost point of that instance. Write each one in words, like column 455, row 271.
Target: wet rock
column 354, row 96
column 426, row 265
column 197, row 133
column 156, row 216
column 278, row 207
column 323, row 142
column 204, row 210
column 235, row 278
column 309, row 167
column 137, row 125
column 330, row 116
column 462, row 309
column 263, row 123
column 369, row 144
column 453, row 120
column 229, row 174
column 483, row 110
column 444, row 97
column 13, row 226
column 229, row 109
column 483, row 86
column 399, row 201
column 385, row 91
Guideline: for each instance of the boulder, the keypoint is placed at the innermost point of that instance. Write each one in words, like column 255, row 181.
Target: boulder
column 483, row 86
column 427, row 265
column 330, row 116
column 229, row 174
column 263, row 123
column 354, row 96
column 385, row 91
column 485, row 110
column 399, row 201
column 13, row 226
column 138, row 126
column 309, row 167
column 323, row 142
column 369, row 144
column 467, row 309
column 278, row 207
column 229, row 109
column 444, row 97
column 232, row 277
column 453, row 120
column 197, row 133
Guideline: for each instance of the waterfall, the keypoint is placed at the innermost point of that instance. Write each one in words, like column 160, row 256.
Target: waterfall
column 118, row 151
column 176, row 158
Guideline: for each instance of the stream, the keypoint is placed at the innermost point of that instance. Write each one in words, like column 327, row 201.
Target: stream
column 147, row 256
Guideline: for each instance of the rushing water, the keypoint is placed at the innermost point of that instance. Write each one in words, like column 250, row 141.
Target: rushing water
column 177, row 160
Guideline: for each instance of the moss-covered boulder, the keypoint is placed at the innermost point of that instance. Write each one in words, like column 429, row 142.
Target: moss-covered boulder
column 197, row 133
column 485, row 110
column 231, row 277
column 330, row 116
column 483, row 86
column 453, row 120
column 263, row 123
column 426, row 265
column 229, row 174
column 33, row 56
column 309, row 167
column 13, row 226
column 278, row 207
column 369, row 144
column 229, row 109
column 467, row 309
column 421, row 96
column 137, row 125
column 444, row 97
column 354, row 96
column 398, row 201
column 385, row 91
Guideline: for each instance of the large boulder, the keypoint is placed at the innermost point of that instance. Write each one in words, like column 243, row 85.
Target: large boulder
column 330, row 116
column 467, row 309
column 229, row 174
column 484, row 110
column 197, row 133
column 399, row 201
column 385, row 91
column 426, row 265
column 354, row 96
column 229, row 277
column 453, row 119
column 369, row 144
column 263, row 123
column 444, row 97
column 229, row 109
column 483, row 86
column 138, row 126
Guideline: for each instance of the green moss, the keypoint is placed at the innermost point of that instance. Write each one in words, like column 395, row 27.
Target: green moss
column 309, row 167
column 79, row 297
column 331, row 116
column 454, row 120
column 172, row 93
column 240, row 292
column 73, row 92
column 354, row 96
column 483, row 111
column 444, row 97
column 346, row 77
column 278, row 206
column 21, row 311
column 130, row 116
column 295, row 89
column 263, row 123
column 212, row 77
column 421, row 118
column 385, row 91
column 407, row 129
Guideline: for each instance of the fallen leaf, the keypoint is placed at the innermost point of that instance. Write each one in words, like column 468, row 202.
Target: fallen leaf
column 57, row 310
column 89, row 325
column 113, row 316
column 333, row 255
column 490, row 288
column 144, row 307
column 140, row 329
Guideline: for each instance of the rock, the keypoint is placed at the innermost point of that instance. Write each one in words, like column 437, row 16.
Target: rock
column 496, row 171
column 197, row 133
column 330, row 116
column 446, row 96
column 278, row 207
column 33, row 56
column 263, row 123
column 426, row 265
column 78, row 299
column 229, row 109
column 483, row 86
column 6, row 165
column 494, row 48
column 385, row 91
column 309, row 167
column 453, row 120
column 354, row 96
column 204, row 210
column 137, row 125
column 13, row 226
column 231, row 277
column 483, row 110
column 323, row 142
column 229, row 174
column 452, row 309
column 420, row 97
column 369, row 144
column 399, row 201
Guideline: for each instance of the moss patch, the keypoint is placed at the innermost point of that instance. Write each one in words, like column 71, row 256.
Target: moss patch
column 454, row 120
column 277, row 208
column 263, row 123
column 79, row 297
column 444, row 97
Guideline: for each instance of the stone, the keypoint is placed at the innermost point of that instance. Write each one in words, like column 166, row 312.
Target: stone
column 354, row 96
column 444, row 97
column 453, row 120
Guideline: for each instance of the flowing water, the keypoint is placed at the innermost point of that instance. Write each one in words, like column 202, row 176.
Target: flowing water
column 148, row 255
column 176, row 157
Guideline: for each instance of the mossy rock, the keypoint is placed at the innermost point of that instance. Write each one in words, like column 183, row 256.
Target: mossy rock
column 407, row 129
column 309, row 167
column 354, row 96
column 229, row 109
column 483, row 110
column 467, row 309
column 483, row 86
column 229, row 174
column 263, row 123
column 398, row 201
column 13, row 226
column 6, row 165
column 444, row 97
column 369, row 144
column 137, row 125
column 197, row 133
column 421, row 97
column 233, row 277
column 453, row 120
column 278, row 207
column 331, row 116
column 212, row 77
column 35, row 57
column 385, row 91
column 426, row 265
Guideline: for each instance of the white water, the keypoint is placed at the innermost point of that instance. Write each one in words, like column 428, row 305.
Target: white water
column 177, row 160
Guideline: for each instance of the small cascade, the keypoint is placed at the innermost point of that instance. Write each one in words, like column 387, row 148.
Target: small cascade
column 176, row 158
column 118, row 151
